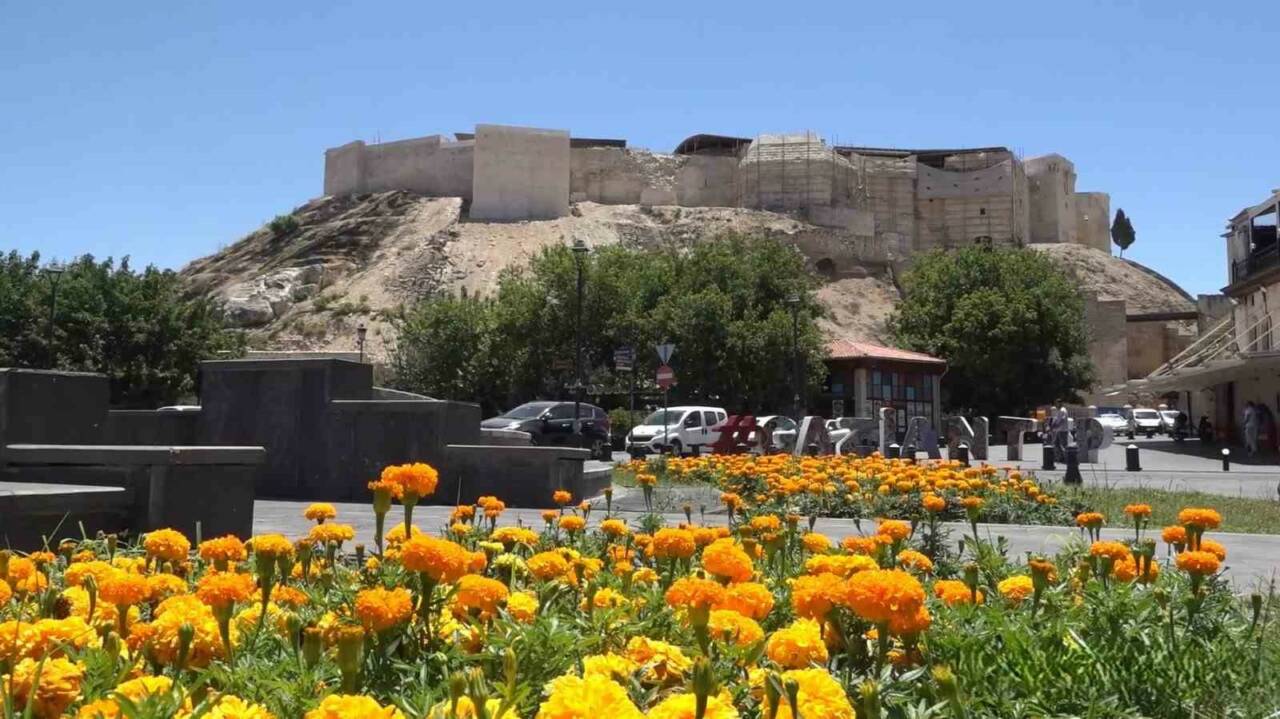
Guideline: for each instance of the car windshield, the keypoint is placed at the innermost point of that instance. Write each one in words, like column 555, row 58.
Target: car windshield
column 528, row 410
column 1170, row 414
column 672, row 417
column 1145, row 414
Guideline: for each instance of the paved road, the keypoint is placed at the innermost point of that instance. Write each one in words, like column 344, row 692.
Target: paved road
column 1252, row 558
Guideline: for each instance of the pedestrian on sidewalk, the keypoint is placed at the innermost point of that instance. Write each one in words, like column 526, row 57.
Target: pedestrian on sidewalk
column 1061, row 433
column 1252, row 421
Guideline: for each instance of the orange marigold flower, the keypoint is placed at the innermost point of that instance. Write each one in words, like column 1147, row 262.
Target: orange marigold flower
column 797, row 645
column 272, row 546
column 954, row 591
column 289, row 596
column 903, row 624
column 1016, row 588
column 933, row 503
column 480, row 594
column 729, row 626
column 380, row 609
column 441, row 560
column 878, row 595
column 613, row 527
column 894, row 529
column 220, row 590
column 547, row 565
column 671, row 543
column 860, row 545
column 1126, row 570
column 766, row 524
column 1199, row 563
column 724, row 558
column 561, row 497
column 323, row 534
column 509, row 536
column 695, row 593
column 971, row 503
column 1199, row 517
column 1115, row 551
column 124, row 589
column 5, row 593
column 168, row 545
column 1214, row 548
column 1090, row 519
column 320, row 511
column 750, row 599
column 1176, row 534
column 812, row 596
column 417, row 480
column 223, row 549
column 911, row 559
column 1137, row 510
column 572, row 523
column 844, row 565
column 48, row 697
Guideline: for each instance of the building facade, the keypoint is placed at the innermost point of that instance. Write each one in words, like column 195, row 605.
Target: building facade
column 862, row 378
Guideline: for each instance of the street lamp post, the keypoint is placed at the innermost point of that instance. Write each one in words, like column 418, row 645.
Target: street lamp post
column 361, row 331
column 54, row 273
column 580, row 251
column 794, row 303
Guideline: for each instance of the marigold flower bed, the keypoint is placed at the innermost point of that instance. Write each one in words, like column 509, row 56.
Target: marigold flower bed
column 593, row 616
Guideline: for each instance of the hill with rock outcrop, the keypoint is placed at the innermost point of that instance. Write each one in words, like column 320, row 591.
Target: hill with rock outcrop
column 307, row 280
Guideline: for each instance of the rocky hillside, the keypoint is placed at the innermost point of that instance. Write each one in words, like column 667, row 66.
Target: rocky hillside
column 308, row 282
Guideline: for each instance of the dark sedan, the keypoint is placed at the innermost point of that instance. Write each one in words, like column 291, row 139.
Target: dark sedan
column 550, row 424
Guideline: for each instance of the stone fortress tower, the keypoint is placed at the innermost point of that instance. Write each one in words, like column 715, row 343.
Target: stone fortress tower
column 901, row 201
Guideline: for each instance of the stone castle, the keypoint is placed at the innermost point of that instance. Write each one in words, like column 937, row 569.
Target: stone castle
column 899, row 201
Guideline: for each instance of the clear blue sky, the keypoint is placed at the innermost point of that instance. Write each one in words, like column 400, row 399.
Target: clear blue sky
column 164, row 131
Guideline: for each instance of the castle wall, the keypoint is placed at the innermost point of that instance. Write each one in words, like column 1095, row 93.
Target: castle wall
column 787, row 172
column 1093, row 220
column 344, row 169
column 1051, row 189
column 1109, row 341
column 429, row 165
column 520, row 173
column 708, row 181
column 960, row 208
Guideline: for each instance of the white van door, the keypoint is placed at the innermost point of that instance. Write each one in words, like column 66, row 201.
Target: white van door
column 691, row 429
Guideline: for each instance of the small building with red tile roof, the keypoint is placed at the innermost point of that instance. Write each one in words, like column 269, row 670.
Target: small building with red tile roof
column 863, row 377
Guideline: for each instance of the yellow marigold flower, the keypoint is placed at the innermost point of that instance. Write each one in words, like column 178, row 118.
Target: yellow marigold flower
column 247, row 619
column 614, row 666
column 813, row 596
column 645, row 575
column 971, row 503
column 135, row 690
column 233, row 707
column 933, row 503
column 614, row 527
column 165, row 632
column 350, row 706
column 750, row 599
column 729, row 626
column 1201, row 518
column 1199, row 563
column 441, row 560
column 878, row 595
column 1176, row 534
column 894, row 529
column 766, row 524
column 724, row 558
column 911, row 559
column 289, row 596
column 168, row 545
column 514, row 535
column 58, row 687
column 320, row 511
column 480, row 595
column 162, row 586
column 844, row 565
column 671, row 543
column 547, row 565
column 381, row 609
column 417, row 479
column 684, row 706
column 695, row 593
column 561, row 497
column 221, row 590
column 820, row 697
column 56, row 636
column 1137, row 510
column 816, row 543
column 1016, row 588
column 323, row 534
column 5, row 593
column 660, row 662
column 1115, row 551
column 797, row 645
column 466, row 709
column 605, row 598
column 954, row 591
column 589, row 697
column 572, row 523
column 523, row 607
column 1090, row 519
column 273, row 546
column 124, row 589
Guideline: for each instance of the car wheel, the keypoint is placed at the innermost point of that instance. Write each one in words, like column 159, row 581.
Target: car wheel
column 600, row 450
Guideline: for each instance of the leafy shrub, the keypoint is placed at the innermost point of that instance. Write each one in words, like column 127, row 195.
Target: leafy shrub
column 281, row 225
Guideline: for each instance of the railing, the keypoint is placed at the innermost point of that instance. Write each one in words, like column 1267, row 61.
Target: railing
column 1256, row 262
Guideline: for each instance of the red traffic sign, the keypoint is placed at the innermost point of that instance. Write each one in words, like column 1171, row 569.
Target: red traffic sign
column 666, row 377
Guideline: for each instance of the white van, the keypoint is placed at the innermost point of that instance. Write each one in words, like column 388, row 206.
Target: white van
column 676, row 429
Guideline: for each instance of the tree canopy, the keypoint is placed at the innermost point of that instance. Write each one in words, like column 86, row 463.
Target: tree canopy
column 1122, row 231
column 136, row 327
column 1009, row 323
column 722, row 302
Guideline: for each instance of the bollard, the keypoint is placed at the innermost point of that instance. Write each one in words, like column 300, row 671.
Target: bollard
column 1131, row 463
column 909, row 453
column 1047, row 461
column 962, row 454
column 895, row 451
column 1226, row 460
column 1073, row 467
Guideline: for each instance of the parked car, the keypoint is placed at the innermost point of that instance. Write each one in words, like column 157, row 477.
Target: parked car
column 550, row 424
column 782, row 432
column 1168, row 421
column 1119, row 425
column 1144, row 421
column 676, row 430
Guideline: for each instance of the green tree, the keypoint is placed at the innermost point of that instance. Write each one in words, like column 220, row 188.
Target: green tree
column 138, row 328
column 446, row 348
column 1122, row 231
column 1009, row 323
column 722, row 302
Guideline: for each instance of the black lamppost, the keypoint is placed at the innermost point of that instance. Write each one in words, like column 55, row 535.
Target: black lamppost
column 580, row 251
column 361, row 331
column 54, row 274
column 793, row 302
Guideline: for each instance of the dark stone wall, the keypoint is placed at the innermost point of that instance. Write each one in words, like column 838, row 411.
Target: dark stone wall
column 151, row 427
column 46, row 407
column 519, row 476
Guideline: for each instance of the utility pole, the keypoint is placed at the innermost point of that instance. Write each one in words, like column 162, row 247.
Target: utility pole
column 580, row 251
column 794, row 302
column 54, row 273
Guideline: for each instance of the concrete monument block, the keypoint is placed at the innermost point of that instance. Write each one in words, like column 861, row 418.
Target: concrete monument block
column 51, row 407
column 1014, row 429
column 888, row 430
column 978, row 449
column 520, row 173
column 812, row 437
